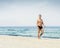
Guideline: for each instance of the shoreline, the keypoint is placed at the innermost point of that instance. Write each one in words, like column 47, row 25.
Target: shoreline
column 27, row 42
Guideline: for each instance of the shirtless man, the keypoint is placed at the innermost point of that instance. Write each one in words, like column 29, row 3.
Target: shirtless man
column 40, row 26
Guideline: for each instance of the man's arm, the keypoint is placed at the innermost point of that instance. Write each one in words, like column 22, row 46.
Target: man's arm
column 37, row 23
column 43, row 24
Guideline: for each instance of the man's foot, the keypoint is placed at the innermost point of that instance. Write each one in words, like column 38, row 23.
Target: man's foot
column 38, row 38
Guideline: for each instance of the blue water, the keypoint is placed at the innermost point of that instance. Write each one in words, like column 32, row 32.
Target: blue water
column 28, row 31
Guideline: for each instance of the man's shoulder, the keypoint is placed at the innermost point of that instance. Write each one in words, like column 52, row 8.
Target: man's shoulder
column 37, row 19
column 41, row 19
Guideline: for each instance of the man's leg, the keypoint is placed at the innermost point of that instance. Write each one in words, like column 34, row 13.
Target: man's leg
column 38, row 33
column 42, row 31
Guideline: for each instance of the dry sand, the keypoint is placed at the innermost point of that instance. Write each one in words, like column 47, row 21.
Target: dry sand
column 27, row 42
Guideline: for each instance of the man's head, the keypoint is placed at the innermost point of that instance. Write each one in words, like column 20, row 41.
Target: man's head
column 39, row 16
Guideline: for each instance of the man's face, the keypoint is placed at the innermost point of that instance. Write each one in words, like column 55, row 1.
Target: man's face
column 39, row 16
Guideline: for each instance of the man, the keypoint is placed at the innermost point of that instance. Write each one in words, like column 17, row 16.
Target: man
column 40, row 26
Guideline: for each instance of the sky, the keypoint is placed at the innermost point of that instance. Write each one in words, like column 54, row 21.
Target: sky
column 25, row 12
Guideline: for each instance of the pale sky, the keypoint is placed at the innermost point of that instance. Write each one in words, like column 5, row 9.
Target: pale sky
column 25, row 12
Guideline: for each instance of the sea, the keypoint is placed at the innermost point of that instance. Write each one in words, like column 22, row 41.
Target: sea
column 52, row 32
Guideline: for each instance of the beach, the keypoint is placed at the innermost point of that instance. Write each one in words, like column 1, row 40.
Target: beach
column 27, row 42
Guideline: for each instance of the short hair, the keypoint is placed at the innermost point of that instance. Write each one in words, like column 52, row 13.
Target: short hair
column 39, row 14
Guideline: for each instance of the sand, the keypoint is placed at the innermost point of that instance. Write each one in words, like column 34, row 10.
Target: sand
column 27, row 42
